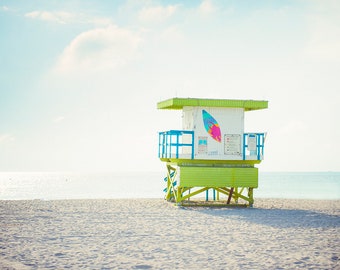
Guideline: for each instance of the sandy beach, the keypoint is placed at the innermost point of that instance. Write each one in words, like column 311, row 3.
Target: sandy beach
column 154, row 234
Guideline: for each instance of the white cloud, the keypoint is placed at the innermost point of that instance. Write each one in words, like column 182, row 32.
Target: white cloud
column 55, row 16
column 157, row 14
column 63, row 17
column 5, row 8
column 172, row 34
column 58, row 119
column 206, row 7
column 5, row 138
column 98, row 49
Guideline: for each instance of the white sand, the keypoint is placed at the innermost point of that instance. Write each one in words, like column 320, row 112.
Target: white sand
column 153, row 234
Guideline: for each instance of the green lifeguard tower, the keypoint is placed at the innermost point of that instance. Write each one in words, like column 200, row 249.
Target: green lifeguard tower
column 211, row 154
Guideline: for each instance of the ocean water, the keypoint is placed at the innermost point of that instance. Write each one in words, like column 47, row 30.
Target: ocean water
column 50, row 186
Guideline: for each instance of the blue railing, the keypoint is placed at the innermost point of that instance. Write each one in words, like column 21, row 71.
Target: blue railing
column 171, row 143
column 253, row 145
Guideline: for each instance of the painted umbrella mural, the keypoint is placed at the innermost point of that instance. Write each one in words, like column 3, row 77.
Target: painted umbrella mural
column 211, row 126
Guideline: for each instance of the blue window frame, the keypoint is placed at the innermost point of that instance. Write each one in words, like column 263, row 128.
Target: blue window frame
column 253, row 145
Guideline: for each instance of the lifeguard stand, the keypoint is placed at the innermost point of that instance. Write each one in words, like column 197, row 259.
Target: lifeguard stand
column 211, row 153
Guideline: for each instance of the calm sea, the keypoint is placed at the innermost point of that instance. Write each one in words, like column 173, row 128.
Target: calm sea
column 49, row 186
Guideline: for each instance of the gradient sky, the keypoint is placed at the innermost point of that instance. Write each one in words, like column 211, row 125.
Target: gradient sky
column 80, row 80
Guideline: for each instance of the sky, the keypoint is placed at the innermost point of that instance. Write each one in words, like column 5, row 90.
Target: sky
column 80, row 80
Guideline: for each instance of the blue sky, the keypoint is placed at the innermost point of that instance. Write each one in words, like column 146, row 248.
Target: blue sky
column 80, row 80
